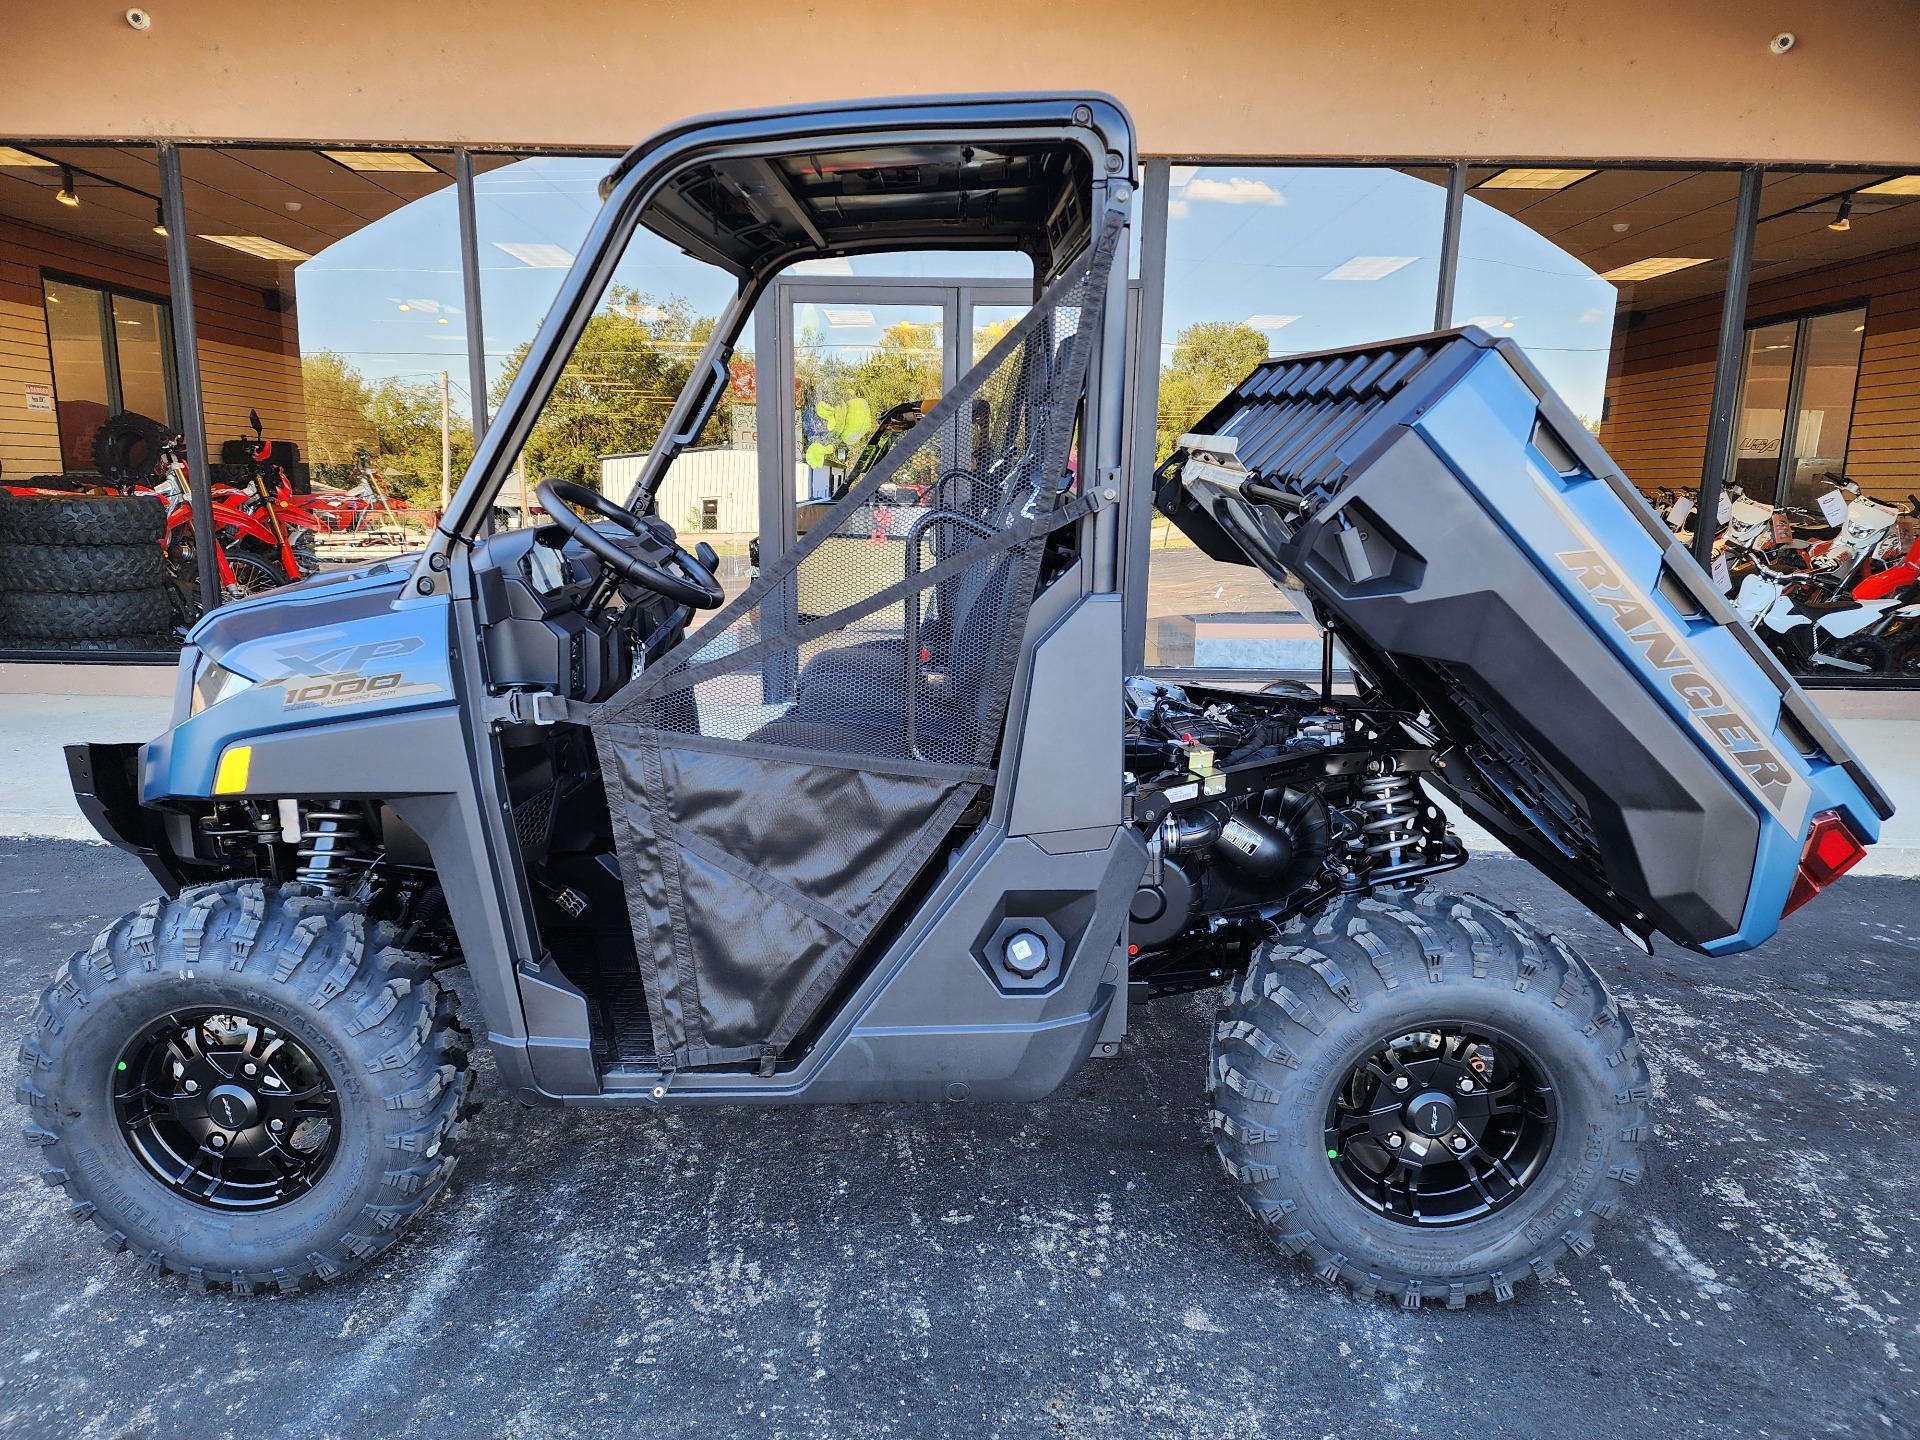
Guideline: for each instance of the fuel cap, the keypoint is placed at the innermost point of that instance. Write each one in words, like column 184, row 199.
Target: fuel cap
column 1025, row 954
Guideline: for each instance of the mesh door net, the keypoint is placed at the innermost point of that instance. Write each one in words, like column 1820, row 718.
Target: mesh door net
column 782, row 777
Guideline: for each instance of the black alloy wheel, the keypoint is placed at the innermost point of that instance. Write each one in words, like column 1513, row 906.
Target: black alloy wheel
column 1442, row 1126
column 225, row 1110
column 1425, row 1096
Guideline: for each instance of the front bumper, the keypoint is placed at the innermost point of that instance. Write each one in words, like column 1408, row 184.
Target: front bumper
column 106, row 786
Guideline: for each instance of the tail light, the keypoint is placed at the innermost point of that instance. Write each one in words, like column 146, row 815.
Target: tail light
column 1832, row 850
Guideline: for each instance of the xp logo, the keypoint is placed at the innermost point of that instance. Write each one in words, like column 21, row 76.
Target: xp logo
column 343, row 659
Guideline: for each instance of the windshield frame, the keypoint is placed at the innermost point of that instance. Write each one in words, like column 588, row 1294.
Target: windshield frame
column 1096, row 124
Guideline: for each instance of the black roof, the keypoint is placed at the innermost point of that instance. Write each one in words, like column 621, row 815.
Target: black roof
column 756, row 191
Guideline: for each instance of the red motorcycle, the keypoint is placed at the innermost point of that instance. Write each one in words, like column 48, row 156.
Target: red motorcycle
column 269, row 499
column 136, row 455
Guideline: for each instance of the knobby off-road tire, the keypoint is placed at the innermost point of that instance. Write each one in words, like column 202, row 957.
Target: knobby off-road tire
column 60, row 615
column 321, row 975
column 82, row 519
column 1331, row 992
column 82, row 569
column 126, row 449
column 149, row 644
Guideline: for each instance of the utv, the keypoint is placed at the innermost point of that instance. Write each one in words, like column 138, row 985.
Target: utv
column 895, row 824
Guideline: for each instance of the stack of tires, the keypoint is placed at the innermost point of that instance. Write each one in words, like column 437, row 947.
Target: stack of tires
column 84, row 573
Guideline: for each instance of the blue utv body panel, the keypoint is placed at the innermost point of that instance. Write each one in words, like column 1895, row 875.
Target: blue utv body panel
column 331, row 650
column 1484, row 561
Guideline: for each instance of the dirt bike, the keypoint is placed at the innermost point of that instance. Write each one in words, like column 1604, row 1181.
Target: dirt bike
column 1851, row 635
column 269, row 498
column 245, row 550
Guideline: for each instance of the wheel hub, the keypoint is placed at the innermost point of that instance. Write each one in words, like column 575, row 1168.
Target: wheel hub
column 1441, row 1126
column 1431, row 1113
column 232, row 1107
column 225, row 1110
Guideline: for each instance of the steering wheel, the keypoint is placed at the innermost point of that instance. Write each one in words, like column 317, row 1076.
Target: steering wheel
column 694, row 584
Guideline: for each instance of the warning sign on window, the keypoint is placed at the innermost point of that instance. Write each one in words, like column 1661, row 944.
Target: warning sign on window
column 39, row 397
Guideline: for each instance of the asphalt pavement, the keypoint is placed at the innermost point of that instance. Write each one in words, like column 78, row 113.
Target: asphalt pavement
column 1075, row 1267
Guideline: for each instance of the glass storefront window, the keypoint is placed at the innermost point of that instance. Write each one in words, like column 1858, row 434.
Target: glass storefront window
column 143, row 354
column 77, row 334
column 1271, row 260
column 111, row 354
column 990, row 322
column 861, row 372
column 1517, row 282
column 1763, row 410
column 1830, row 368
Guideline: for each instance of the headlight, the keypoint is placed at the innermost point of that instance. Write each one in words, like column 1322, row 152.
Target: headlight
column 213, row 684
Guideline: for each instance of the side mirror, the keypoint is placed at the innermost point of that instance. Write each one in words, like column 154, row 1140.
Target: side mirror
column 253, row 419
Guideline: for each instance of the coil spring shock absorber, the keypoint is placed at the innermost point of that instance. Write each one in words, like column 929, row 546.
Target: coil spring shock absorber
column 333, row 847
column 1391, row 807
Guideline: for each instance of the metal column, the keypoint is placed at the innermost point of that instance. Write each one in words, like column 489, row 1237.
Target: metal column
column 1450, row 245
column 186, row 356
column 470, row 273
column 1726, row 366
column 1137, row 485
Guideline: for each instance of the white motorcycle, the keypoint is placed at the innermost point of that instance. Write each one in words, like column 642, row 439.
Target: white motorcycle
column 1841, row 635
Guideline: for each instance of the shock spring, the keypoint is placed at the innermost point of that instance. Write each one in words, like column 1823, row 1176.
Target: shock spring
column 1390, row 806
column 332, row 846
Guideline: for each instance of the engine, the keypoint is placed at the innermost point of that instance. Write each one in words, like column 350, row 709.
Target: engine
column 1260, row 806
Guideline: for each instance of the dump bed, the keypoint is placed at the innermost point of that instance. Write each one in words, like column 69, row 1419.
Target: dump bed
column 1483, row 561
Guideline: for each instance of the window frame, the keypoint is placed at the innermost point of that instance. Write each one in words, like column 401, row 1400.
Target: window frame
column 1801, row 319
column 110, row 341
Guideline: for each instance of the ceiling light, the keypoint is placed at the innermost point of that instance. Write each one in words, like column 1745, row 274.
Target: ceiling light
column 12, row 158
column 1369, row 267
column 1899, row 185
column 1270, row 322
column 1840, row 220
column 847, row 319
column 260, row 246
column 538, row 256
column 383, row 160
column 1533, row 179
column 1653, row 267
column 159, row 221
column 66, row 195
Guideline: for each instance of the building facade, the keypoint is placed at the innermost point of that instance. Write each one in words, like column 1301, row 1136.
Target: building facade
column 1701, row 221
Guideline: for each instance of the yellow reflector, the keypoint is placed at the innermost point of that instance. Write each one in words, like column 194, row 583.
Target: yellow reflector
column 231, row 777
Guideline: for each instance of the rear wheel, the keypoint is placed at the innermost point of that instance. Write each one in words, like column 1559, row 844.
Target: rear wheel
column 1427, row 1097
column 1906, row 660
column 1865, row 651
column 249, row 1086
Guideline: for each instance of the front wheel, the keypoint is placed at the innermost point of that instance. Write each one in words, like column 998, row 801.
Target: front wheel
column 253, row 1087
column 1427, row 1097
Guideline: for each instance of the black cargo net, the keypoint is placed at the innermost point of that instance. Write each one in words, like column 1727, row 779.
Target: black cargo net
column 779, row 780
